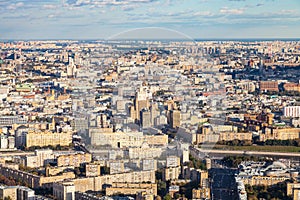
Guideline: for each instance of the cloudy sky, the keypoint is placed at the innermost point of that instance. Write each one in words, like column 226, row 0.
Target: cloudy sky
column 102, row 19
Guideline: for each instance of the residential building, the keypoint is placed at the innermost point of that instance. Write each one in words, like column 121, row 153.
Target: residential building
column 64, row 190
column 291, row 111
column 73, row 159
column 46, row 138
column 131, row 188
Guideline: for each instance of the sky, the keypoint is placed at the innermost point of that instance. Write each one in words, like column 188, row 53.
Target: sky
column 110, row 19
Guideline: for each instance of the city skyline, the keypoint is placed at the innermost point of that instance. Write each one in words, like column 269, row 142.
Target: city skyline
column 103, row 19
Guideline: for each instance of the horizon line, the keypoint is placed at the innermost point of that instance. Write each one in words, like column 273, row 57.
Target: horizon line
column 153, row 39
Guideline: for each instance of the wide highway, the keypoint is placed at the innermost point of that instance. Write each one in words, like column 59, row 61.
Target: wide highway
column 250, row 153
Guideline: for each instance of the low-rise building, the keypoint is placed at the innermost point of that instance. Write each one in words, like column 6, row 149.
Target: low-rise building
column 201, row 193
column 263, row 173
column 173, row 189
column 262, row 180
column 241, row 189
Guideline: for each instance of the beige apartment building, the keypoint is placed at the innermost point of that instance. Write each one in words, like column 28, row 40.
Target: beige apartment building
column 54, row 171
column 47, row 138
column 229, row 136
column 96, row 183
column 131, row 188
column 263, row 180
column 35, row 181
column 40, row 158
column 292, row 87
column 171, row 173
column 92, row 169
column 293, row 189
column 175, row 118
column 268, row 86
column 106, row 136
column 277, row 133
column 201, row 193
column 74, row 159
column 6, row 192
column 64, row 190
column 144, row 152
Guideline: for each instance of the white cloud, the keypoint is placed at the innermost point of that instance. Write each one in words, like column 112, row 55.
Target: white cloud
column 104, row 2
column 226, row 10
column 129, row 7
column 49, row 6
column 205, row 13
column 288, row 12
column 14, row 6
column 51, row 16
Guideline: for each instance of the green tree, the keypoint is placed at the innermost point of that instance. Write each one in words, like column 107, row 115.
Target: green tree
column 167, row 197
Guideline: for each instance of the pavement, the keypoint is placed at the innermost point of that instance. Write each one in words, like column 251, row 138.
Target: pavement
column 223, row 185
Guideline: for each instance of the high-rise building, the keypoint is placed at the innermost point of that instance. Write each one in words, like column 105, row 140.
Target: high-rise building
column 175, row 118
column 141, row 100
column 154, row 111
column 71, row 68
column 65, row 56
column 132, row 112
column 145, row 118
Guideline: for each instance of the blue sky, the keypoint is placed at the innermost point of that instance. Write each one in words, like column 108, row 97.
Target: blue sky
column 101, row 19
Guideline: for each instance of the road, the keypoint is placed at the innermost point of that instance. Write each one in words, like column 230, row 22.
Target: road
column 223, row 185
column 16, row 153
column 249, row 153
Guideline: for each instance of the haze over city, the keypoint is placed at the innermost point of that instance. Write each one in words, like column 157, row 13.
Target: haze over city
column 149, row 99
column 100, row 19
